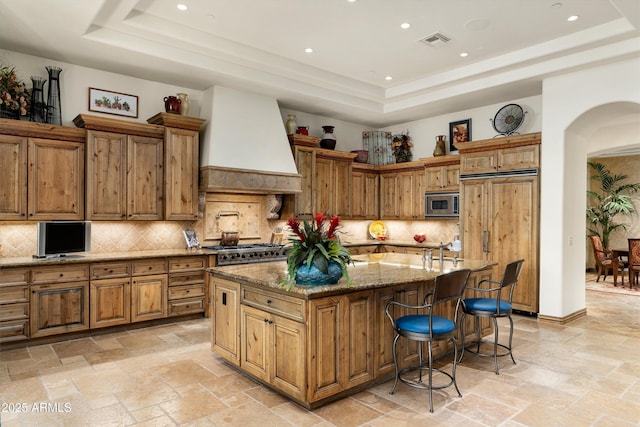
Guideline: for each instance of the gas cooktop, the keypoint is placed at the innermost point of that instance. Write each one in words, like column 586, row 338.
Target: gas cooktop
column 249, row 253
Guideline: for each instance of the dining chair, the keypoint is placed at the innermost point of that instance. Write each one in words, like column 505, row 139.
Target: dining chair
column 492, row 303
column 605, row 262
column 634, row 261
column 429, row 327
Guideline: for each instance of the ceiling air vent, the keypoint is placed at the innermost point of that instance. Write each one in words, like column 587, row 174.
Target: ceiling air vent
column 435, row 40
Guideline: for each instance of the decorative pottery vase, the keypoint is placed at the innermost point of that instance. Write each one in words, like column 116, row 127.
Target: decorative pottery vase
column 291, row 124
column 312, row 276
column 184, row 104
column 172, row 104
column 328, row 140
column 303, row 130
column 440, row 149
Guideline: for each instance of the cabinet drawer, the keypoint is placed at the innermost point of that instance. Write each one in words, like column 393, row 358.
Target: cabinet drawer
column 14, row 331
column 14, row 276
column 55, row 274
column 186, row 306
column 11, row 294
column 186, row 278
column 110, row 269
column 14, row 311
column 149, row 266
column 186, row 263
column 191, row 291
column 284, row 305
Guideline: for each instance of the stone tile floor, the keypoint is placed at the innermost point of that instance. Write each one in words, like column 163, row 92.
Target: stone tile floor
column 585, row 373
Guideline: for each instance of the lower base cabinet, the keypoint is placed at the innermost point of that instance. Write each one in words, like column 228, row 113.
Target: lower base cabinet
column 273, row 349
column 110, row 302
column 59, row 308
column 149, row 297
column 225, row 333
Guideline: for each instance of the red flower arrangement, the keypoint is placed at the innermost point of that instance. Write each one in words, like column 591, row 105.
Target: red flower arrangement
column 316, row 243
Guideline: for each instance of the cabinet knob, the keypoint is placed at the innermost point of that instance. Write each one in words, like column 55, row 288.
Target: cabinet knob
column 268, row 301
column 61, row 274
column 266, row 320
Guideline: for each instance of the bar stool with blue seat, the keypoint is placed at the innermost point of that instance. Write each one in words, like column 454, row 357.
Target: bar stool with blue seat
column 491, row 304
column 429, row 327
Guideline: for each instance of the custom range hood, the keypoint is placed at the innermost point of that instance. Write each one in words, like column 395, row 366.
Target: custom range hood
column 245, row 148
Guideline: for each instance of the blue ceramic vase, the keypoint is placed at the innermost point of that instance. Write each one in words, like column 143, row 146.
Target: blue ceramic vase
column 312, row 276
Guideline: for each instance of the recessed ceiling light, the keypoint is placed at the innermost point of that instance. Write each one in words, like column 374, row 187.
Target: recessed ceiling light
column 573, row 18
column 309, row 50
column 464, row 54
column 351, row 1
column 405, row 25
column 388, row 78
column 182, row 7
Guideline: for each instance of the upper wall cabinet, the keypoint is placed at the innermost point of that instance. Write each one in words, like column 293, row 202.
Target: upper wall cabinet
column 442, row 173
column 511, row 153
column 402, row 191
column 142, row 171
column 41, row 171
column 181, row 164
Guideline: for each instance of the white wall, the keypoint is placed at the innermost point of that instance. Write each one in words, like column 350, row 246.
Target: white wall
column 423, row 132
column 75, row 82
column 567, row 101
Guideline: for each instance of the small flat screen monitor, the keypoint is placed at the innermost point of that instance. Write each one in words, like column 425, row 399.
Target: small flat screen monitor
column 62, row 238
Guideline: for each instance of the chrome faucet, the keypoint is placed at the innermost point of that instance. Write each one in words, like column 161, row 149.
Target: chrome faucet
column 430, row 259
column 443, row 246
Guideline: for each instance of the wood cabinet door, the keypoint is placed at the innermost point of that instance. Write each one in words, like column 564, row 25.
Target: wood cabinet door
column 371, row 196
column 452, row 182
column 305, row 160
column 288, row 343
column 341, row 178
column 149, row 297
column 325, row 342
column 479, row 162
column 406, row 184
column 59, row 308
column 181, row 167
column 13, row 178
column 524, row 157
column 474, row 208
column 357, row 195
column 323, row 185
column 55, row 180
column 106, row 176
column 145, row 181
column 436, row 178
column 110, row 302
column 225, row 330
column 407, row 351
column 513, row 224
column 359, row 338
column 364, row 194
column 254, row 334
column 389, row 196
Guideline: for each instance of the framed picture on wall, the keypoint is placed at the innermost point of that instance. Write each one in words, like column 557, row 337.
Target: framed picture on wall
column 109, row 102
column 459, row 131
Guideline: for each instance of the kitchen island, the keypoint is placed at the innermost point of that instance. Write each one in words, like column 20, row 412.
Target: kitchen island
column 316, row 344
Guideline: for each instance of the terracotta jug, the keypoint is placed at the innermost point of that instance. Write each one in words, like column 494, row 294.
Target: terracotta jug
column 172, row 104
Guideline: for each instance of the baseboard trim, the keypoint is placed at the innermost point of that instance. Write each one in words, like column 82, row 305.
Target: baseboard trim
column 563, row 320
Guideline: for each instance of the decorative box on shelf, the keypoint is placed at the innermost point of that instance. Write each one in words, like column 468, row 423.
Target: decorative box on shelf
column 304, row 140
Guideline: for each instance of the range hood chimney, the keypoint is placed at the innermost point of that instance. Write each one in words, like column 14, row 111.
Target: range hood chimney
column 245, row 148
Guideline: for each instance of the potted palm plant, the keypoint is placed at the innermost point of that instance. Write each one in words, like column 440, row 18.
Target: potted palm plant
column 316, row 256
column 610, row 200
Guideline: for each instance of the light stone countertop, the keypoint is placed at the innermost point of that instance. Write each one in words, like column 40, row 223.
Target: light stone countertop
column 369, row 271
column 99, row 257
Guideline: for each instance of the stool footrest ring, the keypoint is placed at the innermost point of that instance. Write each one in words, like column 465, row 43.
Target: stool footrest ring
column 420, row 384
column 478, row 353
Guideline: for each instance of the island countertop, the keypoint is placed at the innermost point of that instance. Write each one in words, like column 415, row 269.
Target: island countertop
column 367, row 272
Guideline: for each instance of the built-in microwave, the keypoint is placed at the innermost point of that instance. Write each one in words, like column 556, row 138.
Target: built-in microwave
column 442, row 205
